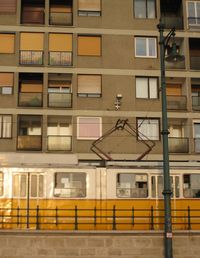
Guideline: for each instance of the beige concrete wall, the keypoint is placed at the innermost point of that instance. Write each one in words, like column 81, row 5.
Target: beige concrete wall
column 70, row 244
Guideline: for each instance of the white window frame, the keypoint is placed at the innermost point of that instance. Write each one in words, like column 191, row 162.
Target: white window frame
column 2, row 127
column 146, row 11
column 144, row 136
column 89, row 138
column 148, row 87
column 196, row 16
column 147, row 47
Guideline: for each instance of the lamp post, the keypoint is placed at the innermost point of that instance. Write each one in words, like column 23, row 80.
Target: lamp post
column 173, row 57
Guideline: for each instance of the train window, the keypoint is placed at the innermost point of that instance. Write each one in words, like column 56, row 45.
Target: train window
column 157, row 186
column 191, row 186
column 132, row 185
column 1, row 183
column 70, row 185
column 36, row 186
column 19, row 185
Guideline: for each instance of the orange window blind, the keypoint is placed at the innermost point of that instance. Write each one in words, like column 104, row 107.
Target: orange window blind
column 32, row 41
column 89, row 45
column 89, row 84
column 60, row 9
column 8, row 6
column 7, row 43
column 60, row 42
column 6, row 79
column 173, row 90
column 89, row 5
column 31, row 87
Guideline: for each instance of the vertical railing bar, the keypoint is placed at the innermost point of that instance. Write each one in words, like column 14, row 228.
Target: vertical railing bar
column 56, row 216
column 95, row 216
column 133, row 216
column 152, row 218
column 37, row 217
column 18, row 215
column 114, row 218
column 76, row 218
column 189, row 218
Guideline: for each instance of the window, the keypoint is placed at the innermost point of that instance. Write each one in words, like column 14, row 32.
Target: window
column 145, row 9
column 89, row 7
column 31, row 48
column 89, row 86
column 132, row 185
column 89, row 128
column 6, row 83
column 71, row 185
column 5, row 126
column 7, row 43
column 1, row 183
column 146, row 88
column 61, row 12
column 89, row 45
column 148, row 129
column 60, row 49
column 8, row 6
column 145, row 47
column 191, row 186
column 193, row 13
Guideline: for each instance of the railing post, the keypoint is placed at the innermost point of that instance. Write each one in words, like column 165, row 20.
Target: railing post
column 114, row 218
column 133, row 216
column 56, row 216
column 189, row 218
column 152, row 218
column 17, row 215
column 76, row 218
column 37, row 217
column 95, row 216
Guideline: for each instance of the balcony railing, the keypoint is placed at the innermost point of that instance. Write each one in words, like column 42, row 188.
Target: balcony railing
column 29, row 142
column 178, row 145
column 60, row 58
column 32, row 17
column 176, row 102
column 193, row 22
column 59, row 143
column 170, row 21
column 28, row 57
column 61, row 100
column 197, row 145
column 30, row 99
column 57, row 18
column 195, row 62
column 196, row 103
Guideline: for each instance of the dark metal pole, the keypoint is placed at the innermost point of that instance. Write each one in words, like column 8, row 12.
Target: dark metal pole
column 166, row 174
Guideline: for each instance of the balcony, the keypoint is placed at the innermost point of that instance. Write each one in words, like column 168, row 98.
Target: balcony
column 197, row 145
column 30, row 99
column 31, row 57
column 170, row 21
column 178, row 145
column 60, row 58
column 32, row 16
column 194, row 22
column 59, row 143
column 61, row 100
column 176, row 102
column 196, row 103
column 195, row 62
column 29, row 142
column 59, row 18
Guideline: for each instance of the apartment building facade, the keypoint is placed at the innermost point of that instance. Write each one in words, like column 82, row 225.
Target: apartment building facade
column 70, row 69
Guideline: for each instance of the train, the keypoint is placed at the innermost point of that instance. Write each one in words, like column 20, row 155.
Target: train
column 117, row 196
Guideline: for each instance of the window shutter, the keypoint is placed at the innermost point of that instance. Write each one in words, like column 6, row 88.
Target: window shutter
column 6, row 79
column 173, row 90
column 7, row 43
column 89, row 127
column 60, row 42
column 32, row 41
column 8, row 6
column 31, row 87
column 89, row 84
column 89, row 45
column 89, row 5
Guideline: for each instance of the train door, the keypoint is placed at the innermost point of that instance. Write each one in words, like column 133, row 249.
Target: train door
column 28, row 189
column 157, row 187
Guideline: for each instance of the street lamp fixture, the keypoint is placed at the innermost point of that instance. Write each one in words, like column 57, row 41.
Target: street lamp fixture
column 174, row 56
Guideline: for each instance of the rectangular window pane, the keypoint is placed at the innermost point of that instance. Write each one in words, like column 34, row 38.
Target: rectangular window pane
column 88, row 128
column 89, row 45
column 7, row 43
column 148, row 129
column 132, row 185
column 7, row 126
column 1, row 183
column 140, row 47
column 6, row 91
column 142, row 88
column 151, row 9
column 33, row 189
column 41, row 185
column 16, row 181
column 1, row 123
column 23, row 185
column 191, row 186
column 152, row 47
column 153, row 88
column 70, row 185
column 140, row 8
